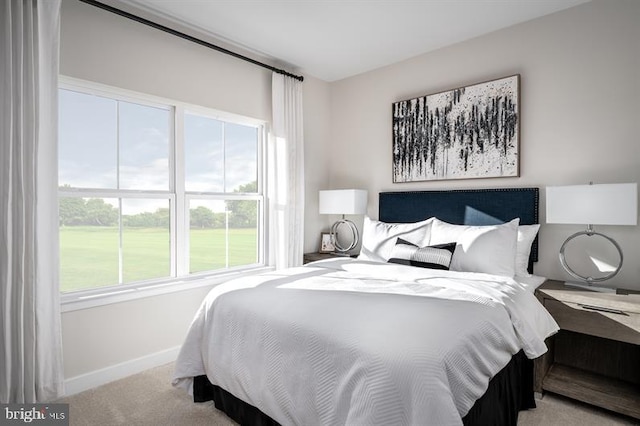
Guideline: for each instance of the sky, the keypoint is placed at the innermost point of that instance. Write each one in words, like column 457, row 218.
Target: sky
column 108, row 144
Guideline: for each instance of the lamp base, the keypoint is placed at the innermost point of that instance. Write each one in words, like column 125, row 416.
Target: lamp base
column 587, row 286
column 334, row 236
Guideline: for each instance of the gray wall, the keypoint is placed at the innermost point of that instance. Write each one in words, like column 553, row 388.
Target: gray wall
column 580, row 113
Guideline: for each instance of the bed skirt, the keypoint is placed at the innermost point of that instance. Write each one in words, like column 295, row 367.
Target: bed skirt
column 509, row 392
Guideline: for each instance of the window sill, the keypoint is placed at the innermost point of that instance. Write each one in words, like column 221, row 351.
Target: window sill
column 78, row 301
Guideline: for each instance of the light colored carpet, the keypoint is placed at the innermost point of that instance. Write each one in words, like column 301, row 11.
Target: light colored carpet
column 146, row 398
column 149, row 399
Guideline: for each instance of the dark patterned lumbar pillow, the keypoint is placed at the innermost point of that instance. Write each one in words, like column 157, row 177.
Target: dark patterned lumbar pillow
column 432, row 257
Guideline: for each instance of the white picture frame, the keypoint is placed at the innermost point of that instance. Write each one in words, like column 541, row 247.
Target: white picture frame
column 326, row 243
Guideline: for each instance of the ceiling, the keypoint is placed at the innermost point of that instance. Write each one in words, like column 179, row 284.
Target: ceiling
column 335, row 39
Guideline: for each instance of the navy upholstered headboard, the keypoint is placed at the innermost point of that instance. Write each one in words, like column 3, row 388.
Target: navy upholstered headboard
column 464, row 207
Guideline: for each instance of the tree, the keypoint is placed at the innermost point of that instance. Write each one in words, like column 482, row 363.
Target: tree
column 100, row 213
column 140, row 220
column 201, row 217
column 163, row 217
column 159, row 219
column 75, row 211
column 244, row 213
column 71, row 211
column 219, row 220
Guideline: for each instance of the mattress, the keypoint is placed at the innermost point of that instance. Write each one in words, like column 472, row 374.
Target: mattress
column 346, row 341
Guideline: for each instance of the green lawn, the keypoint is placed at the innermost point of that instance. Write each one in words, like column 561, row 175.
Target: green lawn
column 89, row 254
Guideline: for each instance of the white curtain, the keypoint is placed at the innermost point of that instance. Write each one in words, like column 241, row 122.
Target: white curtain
column 286, row 173
column 30, row 339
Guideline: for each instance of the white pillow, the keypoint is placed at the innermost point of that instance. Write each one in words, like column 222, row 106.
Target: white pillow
column 487, row 249
column 379, row 238
column 526, row 235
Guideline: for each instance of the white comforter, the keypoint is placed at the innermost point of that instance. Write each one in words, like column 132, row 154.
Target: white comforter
column 347, row 342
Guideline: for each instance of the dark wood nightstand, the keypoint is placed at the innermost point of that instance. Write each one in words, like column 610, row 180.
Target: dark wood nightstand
column 312, row 257
column 595, row 357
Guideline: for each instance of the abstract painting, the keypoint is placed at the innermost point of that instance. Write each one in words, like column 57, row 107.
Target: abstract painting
column 469, row 132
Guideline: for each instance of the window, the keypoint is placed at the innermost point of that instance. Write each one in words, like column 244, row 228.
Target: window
column 151, row 191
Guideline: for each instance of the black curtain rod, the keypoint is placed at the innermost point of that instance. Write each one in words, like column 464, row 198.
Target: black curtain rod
column 188, row 37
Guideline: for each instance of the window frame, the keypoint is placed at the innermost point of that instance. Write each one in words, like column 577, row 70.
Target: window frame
column 178, row 197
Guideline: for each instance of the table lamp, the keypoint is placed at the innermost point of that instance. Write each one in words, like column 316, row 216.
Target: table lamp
column 343, row 202
column 602, row 204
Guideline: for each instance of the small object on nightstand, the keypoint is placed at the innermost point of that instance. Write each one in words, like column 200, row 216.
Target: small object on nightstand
column 326, row 243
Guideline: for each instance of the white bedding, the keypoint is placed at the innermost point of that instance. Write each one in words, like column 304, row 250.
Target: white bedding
column 354, row 342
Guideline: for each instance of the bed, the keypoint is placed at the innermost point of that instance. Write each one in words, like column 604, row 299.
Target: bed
column 382, row 339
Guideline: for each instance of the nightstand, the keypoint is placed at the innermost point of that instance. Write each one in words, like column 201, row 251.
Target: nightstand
column 595, row 357
column 312, row 257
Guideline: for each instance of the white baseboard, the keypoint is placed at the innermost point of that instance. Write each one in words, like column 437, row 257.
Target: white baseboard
column 105, row 375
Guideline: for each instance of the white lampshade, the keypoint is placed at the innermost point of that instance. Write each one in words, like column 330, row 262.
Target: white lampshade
column 343, row 201
column 602, row 204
